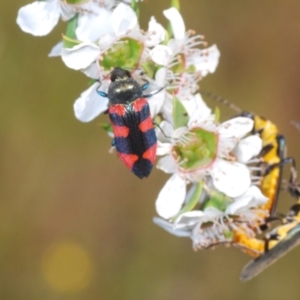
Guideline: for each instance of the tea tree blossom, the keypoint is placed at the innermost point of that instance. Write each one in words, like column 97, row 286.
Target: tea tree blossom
column 112, row 49
column 40, row 17
column 210, row 195
column 127, row 40
column 213, row 156
column 219, row 219
column 203, row 150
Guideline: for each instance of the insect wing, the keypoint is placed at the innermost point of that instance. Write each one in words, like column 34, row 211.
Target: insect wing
column 135, row 138
column 256, row 266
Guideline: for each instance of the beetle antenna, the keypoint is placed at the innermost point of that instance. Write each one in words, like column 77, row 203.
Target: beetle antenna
column 222, row 100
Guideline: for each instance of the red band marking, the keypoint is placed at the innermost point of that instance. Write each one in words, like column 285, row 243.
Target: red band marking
column 139, row 104
column 120, row 131
column 128, row 159
column 150, row 154
column 145, row 125
column 118, row 109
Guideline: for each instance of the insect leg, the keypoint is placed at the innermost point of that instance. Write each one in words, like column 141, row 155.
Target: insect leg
column 145, row 86
column 154, row 93
column 156, row 124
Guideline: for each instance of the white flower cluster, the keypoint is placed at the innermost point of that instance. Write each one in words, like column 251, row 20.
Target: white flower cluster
column 209, row 159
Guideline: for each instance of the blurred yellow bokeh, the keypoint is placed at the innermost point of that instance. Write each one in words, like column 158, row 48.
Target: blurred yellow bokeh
column 67, row 267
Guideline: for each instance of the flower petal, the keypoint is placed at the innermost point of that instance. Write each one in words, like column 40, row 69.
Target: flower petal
column 231, row 132
column 68, row 10
column 94, row 71
column 157, row 101
column 166, row 164
column 163, row 149
column 190, row 218
column 161, row 55
column 156, row 33
column 80, row 56
column 39, row 18
column 89, row 105
column 92, row 26
column 197, row 110
column 123, row 19
column 204, row 60
column 177, row 24
column 252, row 198
column 258, row 197
column 170, row 228
column 171, row 197
column 247, row 148
column 236, row 127
column 56, row 50
column 231, row 178
column 212, row 213
column 164, row 131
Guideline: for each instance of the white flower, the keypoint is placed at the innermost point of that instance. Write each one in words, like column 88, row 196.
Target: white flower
column 247, row 148
column 241, row 214
column 171, row 197
column 90, row 57
column 180, row 53
column 40, row 17
column 182, row 65
column 122, row 22
column 56, row 50
column 156, row 33
column 184, row 232
column 158, row 99
column 203, row 151
column 89, row 105
column 91, row 26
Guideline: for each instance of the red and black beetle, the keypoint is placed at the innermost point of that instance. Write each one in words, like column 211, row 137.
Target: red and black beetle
column 129, row 113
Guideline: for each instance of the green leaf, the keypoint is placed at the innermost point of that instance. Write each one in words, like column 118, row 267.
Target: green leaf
column 107, row 127
column 149, row 68
column 218, row 200
column 217, row 114
column 69, row 43
column 167, row 38
column 71, row 27
column 69, row 38
column 176, row 4
column 169, row 30
column 180, row 114
column 192, row 202
column 135, row 7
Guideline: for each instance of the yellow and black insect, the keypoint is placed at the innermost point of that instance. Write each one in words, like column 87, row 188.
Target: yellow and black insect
column 269, row 169
column 270, row 164
column 283, row 238
column 279, row 241
column 272, row 159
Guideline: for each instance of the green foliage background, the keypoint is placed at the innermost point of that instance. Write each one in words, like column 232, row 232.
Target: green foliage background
column 59, row 184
